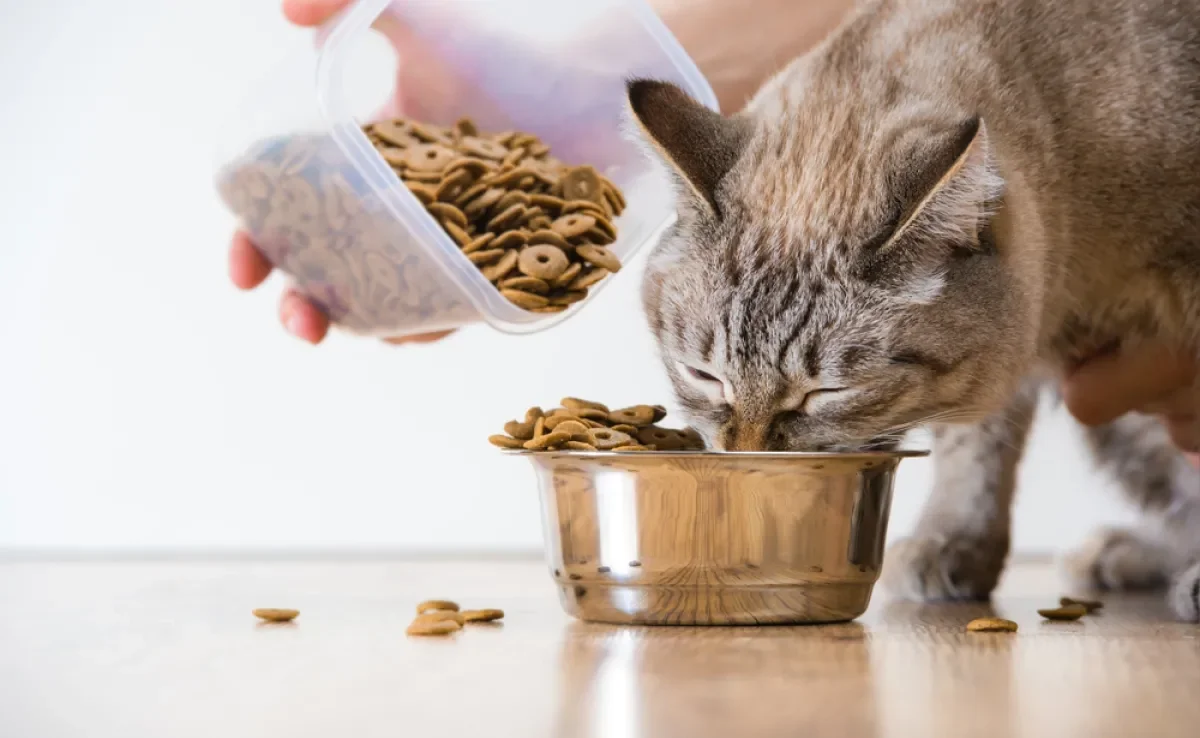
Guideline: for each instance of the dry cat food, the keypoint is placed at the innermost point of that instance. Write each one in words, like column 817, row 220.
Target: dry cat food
column 432, row 628
column 1089, row 605
column 428, row 605
column 317, row 215
column 537, row 229
column 991, row 625
column 583, row 425
column 275, row 614
column 1069, row 609
column 482, row 616
column 1064, row 612
column 443, row 617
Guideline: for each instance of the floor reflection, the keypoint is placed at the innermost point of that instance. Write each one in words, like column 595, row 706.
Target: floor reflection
column 925, row 663
column 669, row 682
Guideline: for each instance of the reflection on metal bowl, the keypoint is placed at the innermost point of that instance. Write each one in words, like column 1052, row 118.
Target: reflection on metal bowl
column 715, row 538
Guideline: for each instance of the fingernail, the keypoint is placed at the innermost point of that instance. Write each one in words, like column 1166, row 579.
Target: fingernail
column 291, row 319
column 295, row 325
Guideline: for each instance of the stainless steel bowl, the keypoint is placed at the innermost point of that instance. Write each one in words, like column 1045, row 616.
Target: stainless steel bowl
column 715, row 538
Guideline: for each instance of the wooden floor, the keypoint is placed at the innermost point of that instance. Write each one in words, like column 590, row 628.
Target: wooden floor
column 170, row 650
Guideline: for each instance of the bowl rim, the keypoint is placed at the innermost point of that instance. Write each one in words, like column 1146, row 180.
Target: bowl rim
column 775, row 455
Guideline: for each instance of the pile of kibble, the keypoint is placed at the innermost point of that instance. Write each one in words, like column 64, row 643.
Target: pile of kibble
column 536, row 228
column 583, row 425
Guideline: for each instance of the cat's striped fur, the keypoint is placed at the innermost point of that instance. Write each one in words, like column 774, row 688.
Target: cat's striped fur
column 944, row 204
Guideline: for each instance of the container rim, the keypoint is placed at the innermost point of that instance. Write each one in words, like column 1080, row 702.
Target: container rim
column 775, row 455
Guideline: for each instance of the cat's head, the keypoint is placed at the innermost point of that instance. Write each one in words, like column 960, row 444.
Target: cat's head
column 831, row 280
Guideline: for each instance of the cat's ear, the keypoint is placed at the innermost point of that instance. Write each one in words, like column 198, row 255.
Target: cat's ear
column 946, row 186
column 699, row 144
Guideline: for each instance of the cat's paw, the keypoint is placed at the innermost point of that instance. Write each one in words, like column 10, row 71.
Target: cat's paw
column 1184, row 595
column 1117, row 559
column 948, row 568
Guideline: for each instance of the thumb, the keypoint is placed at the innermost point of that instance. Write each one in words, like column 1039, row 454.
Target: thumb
column 309, row 13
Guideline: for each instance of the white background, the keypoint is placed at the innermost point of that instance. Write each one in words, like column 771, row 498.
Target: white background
column 146, row 404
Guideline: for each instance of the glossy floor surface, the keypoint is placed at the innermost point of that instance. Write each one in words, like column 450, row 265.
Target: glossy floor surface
column 152, row 649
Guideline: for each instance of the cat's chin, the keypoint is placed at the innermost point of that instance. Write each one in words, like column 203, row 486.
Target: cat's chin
column 873, row 446
column 876, row 445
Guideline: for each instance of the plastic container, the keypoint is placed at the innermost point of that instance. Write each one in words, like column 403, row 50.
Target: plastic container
column 325, row 207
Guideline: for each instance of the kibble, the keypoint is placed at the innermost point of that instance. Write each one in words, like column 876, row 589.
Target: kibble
column 275, row 614
column 1065, row 612
column 482, row 616
column 443, row 617
column 437, row 628
column 430, row 605
column 555, row 219
column 307, row 207
column 1089, row 605
column 435, row 616
column 584, row 425
column 991, row 625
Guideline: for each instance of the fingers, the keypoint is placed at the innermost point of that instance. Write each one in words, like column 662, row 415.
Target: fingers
column 311, row 12
column 1106, row 388
column 302, row 319
column 247, row 266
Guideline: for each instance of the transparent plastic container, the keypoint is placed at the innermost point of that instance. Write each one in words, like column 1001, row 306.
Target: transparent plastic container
column 326, row 209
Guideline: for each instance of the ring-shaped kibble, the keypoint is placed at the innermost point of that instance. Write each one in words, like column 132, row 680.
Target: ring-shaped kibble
column 638, row 415
column 599, row 256
column 666, row 439
column 424, row 193
column 606, row 439
column 582, row 183
column 511, row 240
column 543, row 235
column 447, row 212
column 500, row 270
column 482, row 148
column 512, row 197
column 470, row 194
column 478, row 243
column 482, row 203
column 453, row 186
column 544, row 262
column 573, row 225
column 526, row 284
column 430, row 133
column 507, row 218
column 397, row 133
column 429, row 157
column 569, row 297
column 523, row 299
column 588, row 279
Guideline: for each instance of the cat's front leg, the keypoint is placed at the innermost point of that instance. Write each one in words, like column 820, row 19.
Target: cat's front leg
column 961, row 541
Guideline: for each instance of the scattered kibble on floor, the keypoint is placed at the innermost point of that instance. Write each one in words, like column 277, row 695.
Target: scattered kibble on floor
column 991, row 625
column 275, row 614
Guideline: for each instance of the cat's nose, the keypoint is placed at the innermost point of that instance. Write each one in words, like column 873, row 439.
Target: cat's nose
column 747, row 437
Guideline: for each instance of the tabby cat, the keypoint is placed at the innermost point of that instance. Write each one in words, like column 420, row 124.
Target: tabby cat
column 922, row 221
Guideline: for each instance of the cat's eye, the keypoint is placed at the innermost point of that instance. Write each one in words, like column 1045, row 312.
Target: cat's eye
column 700, row 374
column 706, row 383
column 815, row 398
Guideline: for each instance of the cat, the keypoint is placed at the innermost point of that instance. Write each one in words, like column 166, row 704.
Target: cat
column 923, row 222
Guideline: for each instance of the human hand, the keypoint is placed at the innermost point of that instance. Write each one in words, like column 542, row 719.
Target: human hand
column 248, row 268
column 1153, row 379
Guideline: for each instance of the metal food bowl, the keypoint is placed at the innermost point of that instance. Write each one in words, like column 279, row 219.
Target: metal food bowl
column 702, row 538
